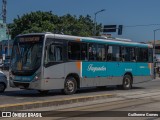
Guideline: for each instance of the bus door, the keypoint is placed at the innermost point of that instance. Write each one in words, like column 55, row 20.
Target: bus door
column 53, row 63
column 143, row 67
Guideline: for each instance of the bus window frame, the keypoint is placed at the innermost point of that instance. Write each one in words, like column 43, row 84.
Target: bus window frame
column 96, row 52
column 52, row 42
column 69, row 60
column 129, row 56
column 68, row 51
column 104, row 45
column 137, row 51
column 87, row 51
column 107, row 52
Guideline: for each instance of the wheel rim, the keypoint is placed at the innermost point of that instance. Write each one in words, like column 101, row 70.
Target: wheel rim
column 127, row 82
column 70, row 86
column 2, row 87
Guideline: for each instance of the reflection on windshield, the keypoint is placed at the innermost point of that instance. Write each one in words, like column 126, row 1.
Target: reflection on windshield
column 26, row 56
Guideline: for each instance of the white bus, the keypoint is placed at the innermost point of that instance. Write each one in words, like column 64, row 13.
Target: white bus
column 47, row 61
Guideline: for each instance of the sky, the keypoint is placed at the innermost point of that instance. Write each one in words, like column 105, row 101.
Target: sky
column 128, row 13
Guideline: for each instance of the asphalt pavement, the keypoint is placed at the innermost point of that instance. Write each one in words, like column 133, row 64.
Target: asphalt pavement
column 13, row 96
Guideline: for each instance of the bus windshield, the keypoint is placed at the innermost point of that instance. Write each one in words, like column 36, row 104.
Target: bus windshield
column 27, row 53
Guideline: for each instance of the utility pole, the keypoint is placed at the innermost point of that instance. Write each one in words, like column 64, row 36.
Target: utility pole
column 154, row 55
column 4, row 10
column 95, row 16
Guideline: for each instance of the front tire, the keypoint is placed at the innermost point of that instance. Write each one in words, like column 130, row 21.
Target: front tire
column 70, row 86
column 127, row 82
column 2, row 87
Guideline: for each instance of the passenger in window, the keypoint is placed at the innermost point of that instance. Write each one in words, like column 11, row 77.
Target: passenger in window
column 109, row 57
column 133, row 59
column 91, row 54
column 123, row 58
column 83, row 55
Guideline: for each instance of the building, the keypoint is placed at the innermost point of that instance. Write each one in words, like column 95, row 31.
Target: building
column 3, row 29
column 5, row 49
column 157, row 46
column 5, row 41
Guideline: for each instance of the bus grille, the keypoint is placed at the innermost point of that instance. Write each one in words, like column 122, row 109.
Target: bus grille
column 25, row 85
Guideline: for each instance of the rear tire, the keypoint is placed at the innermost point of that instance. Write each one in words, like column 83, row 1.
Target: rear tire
column 2, row 87
column 70, row 86
column 127, row 82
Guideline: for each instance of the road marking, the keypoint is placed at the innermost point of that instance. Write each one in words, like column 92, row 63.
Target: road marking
column 73, row 99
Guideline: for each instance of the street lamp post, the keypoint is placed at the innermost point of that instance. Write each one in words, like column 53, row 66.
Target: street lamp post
column 95, row 15
column 154, row 56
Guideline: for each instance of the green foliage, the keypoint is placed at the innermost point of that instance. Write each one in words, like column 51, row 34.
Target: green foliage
column 36, row 22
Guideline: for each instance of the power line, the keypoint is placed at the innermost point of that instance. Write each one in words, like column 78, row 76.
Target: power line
column 142, row 25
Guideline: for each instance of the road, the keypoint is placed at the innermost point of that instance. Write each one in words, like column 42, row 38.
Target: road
column 16, row 95
column 143, row 97
column 121, row 107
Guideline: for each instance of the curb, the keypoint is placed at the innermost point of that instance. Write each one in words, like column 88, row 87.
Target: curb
column 57, row 102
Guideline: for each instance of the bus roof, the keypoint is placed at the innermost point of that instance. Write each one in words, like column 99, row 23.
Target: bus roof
column 97, row 39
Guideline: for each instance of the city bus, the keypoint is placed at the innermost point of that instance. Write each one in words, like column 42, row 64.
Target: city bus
column 48, row 61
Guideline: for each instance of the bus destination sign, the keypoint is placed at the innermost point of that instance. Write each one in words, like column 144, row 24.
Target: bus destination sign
column 29, row 39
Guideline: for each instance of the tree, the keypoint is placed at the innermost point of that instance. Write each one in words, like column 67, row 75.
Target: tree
column 48, row 22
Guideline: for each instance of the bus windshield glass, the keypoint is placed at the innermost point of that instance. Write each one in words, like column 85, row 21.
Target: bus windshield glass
column 27, row 53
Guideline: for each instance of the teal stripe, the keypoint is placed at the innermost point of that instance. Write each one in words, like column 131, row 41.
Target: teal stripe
column 114, row 69
column 117, row 43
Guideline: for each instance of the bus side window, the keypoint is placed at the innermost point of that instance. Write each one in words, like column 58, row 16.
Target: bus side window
column 84, row 51
column 109, row 53
column 122, row 54
column 101, row 53
column 113, row 53
column 57, row 52
column 53, row 53
column 74, row 51
column 132, row 55
column 92, row 52
column 142, row 54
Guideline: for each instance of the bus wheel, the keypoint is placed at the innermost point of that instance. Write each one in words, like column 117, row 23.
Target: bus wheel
column 2, row 87
column 43, row 92
column 70, row 86
column 127, row 82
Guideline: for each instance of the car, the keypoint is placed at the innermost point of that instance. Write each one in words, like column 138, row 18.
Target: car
column 5, row 65
column 1, row 65
column 3, row 82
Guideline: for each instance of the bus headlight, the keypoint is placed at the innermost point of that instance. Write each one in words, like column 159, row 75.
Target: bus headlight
column 37, row 77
